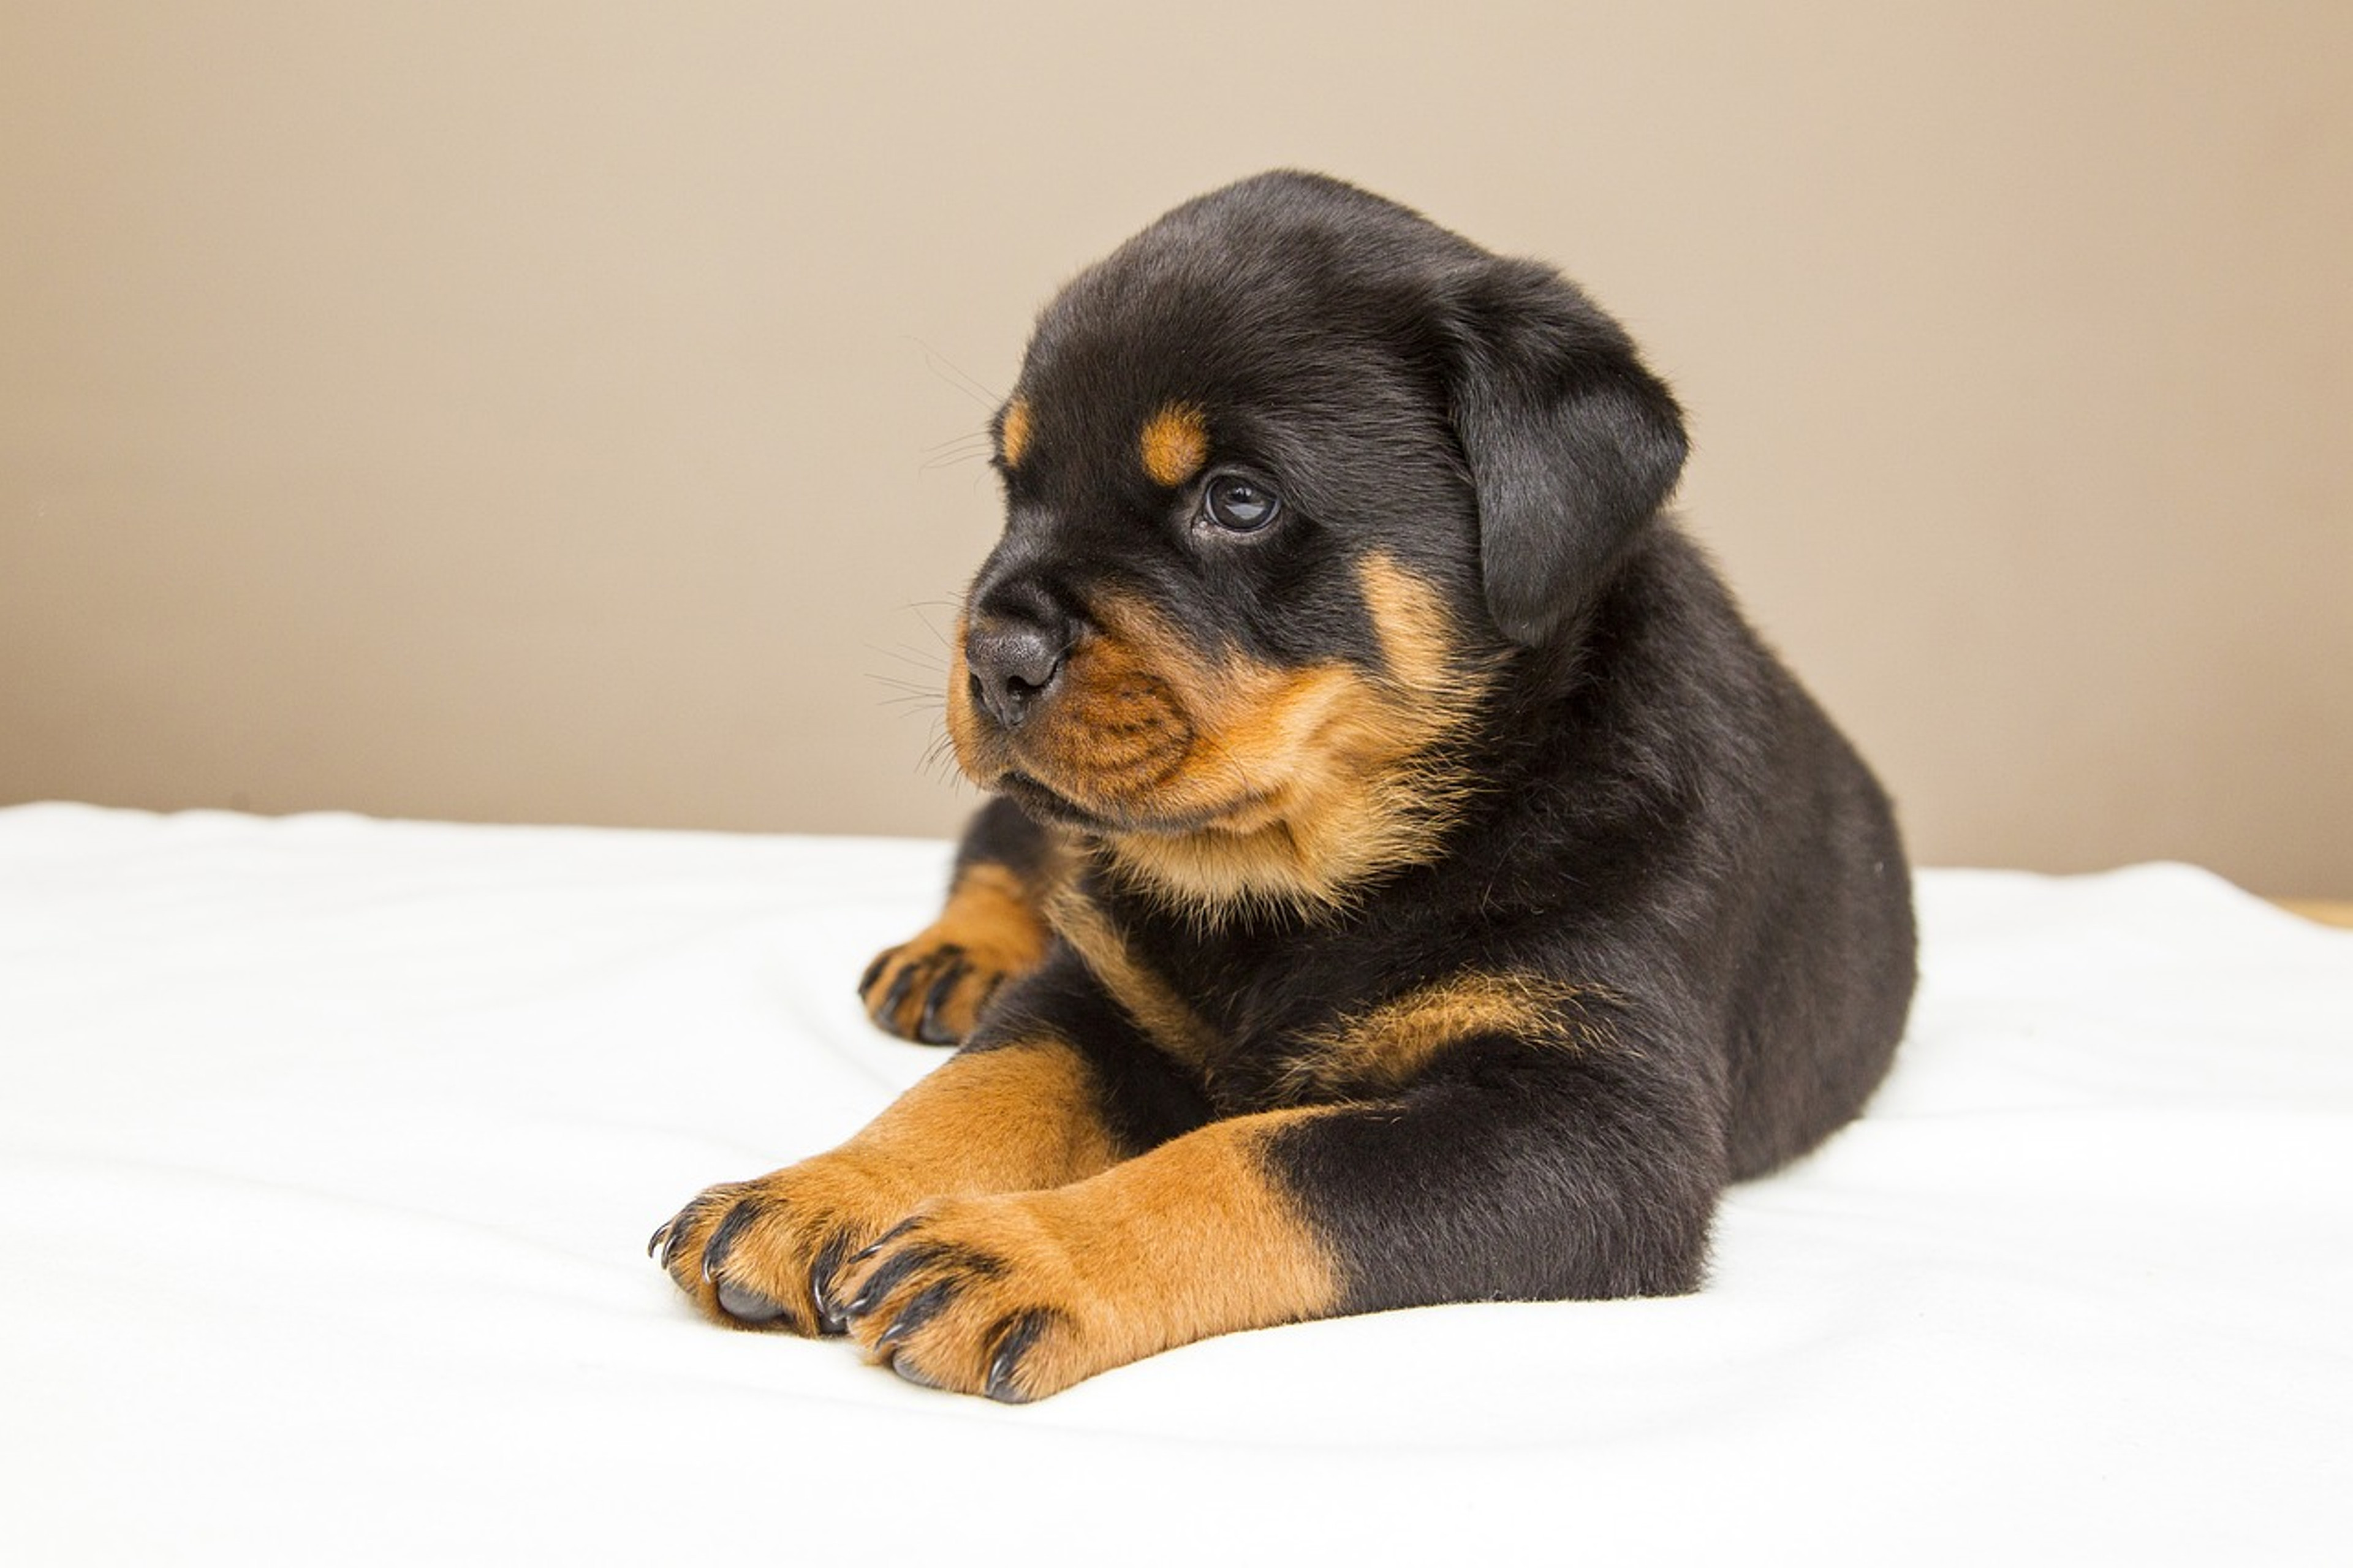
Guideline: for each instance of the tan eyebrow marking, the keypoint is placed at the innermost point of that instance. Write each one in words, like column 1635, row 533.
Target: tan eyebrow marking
column 1013, row 431
column 1175, row 444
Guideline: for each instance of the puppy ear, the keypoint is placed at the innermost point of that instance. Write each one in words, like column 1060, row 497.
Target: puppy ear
column 1572, row 445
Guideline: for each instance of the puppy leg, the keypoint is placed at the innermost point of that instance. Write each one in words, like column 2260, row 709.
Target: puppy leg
column 1017, row 1296
column 1058, row 1085
column 1523, row 1174
column 759, row 1253
column 932, row 987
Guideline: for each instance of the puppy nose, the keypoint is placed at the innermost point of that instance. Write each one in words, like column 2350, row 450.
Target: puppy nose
column 1013, row 663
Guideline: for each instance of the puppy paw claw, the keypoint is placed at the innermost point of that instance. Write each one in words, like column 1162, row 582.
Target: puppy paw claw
column 764, row 1252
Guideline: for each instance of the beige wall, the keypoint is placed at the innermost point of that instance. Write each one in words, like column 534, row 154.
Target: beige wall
column 565, row 412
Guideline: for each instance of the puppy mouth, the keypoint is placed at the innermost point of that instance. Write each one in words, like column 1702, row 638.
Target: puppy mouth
column 1044, row 800
column 1051, row 803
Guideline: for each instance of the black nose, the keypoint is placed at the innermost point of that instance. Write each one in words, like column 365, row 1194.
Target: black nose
column 1014, row 663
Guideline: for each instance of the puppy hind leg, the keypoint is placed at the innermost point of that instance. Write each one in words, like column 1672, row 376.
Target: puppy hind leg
column 1514, row 1171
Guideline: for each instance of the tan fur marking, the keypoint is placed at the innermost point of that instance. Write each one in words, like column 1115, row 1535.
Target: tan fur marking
column 1157, row 1009
column 1353, row 777
column 1387, row 1046
column 989, row 906
column 1017, row 1116
column 1189, row 1240
column 1013, row 432
column 1175, row 444
column 1418, row 638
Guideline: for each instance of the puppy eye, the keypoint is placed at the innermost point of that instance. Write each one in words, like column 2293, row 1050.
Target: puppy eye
column 1239, row 505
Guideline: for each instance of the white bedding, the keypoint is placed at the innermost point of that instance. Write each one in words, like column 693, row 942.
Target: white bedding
column 329, row 1149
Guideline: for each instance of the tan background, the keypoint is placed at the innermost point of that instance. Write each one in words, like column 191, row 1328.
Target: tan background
column 565, row 412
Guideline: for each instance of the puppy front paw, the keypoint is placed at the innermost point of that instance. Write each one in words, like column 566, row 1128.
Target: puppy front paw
column 980, row 1296
column 933, row 988
column 761, row 1253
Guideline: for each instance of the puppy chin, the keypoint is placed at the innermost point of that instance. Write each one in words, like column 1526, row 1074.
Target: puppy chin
column 1132, row 816
column 1048, row 805
column 1062, row 806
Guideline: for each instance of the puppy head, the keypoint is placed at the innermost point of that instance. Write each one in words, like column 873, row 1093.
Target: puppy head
column 1289, row 477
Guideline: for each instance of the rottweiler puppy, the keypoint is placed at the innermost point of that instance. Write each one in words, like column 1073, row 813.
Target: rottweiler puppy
column 1410, row 879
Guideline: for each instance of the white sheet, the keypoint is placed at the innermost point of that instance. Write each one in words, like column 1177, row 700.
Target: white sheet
column 329, row 1149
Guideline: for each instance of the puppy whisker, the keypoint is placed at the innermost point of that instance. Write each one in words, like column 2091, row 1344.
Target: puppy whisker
column 948, row 371
column 925, row 661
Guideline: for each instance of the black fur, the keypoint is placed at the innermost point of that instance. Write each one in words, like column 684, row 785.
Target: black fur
column 1661, row 823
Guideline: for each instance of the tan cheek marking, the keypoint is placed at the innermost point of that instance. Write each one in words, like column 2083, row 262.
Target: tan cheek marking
column 1417, row 635
column 1175, row 444
column 1116, row 731
column 1387, row 1046
column 1349, row 771
column 1013, row 432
